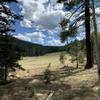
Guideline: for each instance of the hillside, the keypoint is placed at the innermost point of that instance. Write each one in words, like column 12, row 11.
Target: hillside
column 32, row 49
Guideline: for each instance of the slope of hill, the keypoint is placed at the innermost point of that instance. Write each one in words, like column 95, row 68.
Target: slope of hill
column 32, row 49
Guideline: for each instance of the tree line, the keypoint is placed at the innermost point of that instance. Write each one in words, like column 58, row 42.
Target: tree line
column 32, row 49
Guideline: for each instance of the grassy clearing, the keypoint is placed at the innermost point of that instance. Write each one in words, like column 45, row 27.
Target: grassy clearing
column 67, row 83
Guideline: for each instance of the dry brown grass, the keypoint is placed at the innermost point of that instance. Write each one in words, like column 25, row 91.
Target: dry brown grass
column 68, row 82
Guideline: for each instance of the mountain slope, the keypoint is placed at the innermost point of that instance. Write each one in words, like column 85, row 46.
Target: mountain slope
column 32, row 49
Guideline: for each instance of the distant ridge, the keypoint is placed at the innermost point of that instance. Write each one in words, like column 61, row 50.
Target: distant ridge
column 33, row 49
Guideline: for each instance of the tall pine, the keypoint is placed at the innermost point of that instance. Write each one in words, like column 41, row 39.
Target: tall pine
column 69, row 4
column 10, row 53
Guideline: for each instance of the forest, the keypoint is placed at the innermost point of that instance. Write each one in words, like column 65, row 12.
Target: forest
column 49, row 49
column 32, row 49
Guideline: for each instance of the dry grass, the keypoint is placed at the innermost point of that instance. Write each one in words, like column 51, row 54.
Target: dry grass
column 68, row 83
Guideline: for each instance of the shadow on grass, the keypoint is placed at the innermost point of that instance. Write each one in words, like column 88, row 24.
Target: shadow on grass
column 83, row 93
column 61, row 73
column 27, row 88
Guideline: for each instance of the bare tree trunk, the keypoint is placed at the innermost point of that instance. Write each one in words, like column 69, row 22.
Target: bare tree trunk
column 77, row 62
column 5, row 74
column 89, row 63
column 96, row 42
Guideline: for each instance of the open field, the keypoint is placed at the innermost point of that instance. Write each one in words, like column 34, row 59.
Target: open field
column 68, row 83
column 40, row 63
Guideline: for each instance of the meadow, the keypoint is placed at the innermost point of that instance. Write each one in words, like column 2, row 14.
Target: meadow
column 67, row 82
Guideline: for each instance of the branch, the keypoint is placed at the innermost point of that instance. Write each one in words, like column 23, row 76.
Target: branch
column 75, row 11
column 9, row 1
column 50, row 96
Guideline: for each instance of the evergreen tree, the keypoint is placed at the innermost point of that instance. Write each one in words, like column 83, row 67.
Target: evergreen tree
column 62, row 58
column 10, row 53
column 89, row 52
column 96, row 40
column 83, row 3
column 77, row 53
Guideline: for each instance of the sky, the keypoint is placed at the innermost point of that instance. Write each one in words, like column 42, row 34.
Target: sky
column 41, row 20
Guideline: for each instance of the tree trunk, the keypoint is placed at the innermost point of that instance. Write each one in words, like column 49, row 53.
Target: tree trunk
column 89, row 63
column 96, row 41
column 77, row 62
column 5, row 74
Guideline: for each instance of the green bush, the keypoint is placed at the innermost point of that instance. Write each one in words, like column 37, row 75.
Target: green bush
column 47, row 74
column 62, row 58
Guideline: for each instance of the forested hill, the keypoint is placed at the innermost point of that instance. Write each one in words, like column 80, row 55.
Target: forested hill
column 32, row 49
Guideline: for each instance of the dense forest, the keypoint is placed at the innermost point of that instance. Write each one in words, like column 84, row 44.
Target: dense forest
column 32, row 49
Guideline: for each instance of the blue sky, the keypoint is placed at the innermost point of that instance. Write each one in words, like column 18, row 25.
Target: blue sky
column 41, row 21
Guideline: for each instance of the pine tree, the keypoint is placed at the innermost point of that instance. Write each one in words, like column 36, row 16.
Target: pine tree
column 83, row 3
column 77, row 53
column 10, row 53
column 96, row 40
column 88, row 37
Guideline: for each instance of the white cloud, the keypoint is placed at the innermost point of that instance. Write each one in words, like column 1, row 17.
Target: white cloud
column 54, row 42
column 81, row 36
column 26, row 23
column 23, row 37
column 49, row 20
column 39, row 37
column 44, row 14
column 35, row 37
column 97, row 10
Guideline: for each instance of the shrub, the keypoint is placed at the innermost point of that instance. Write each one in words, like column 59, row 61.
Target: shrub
column 62, row 58
column 47, row 74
